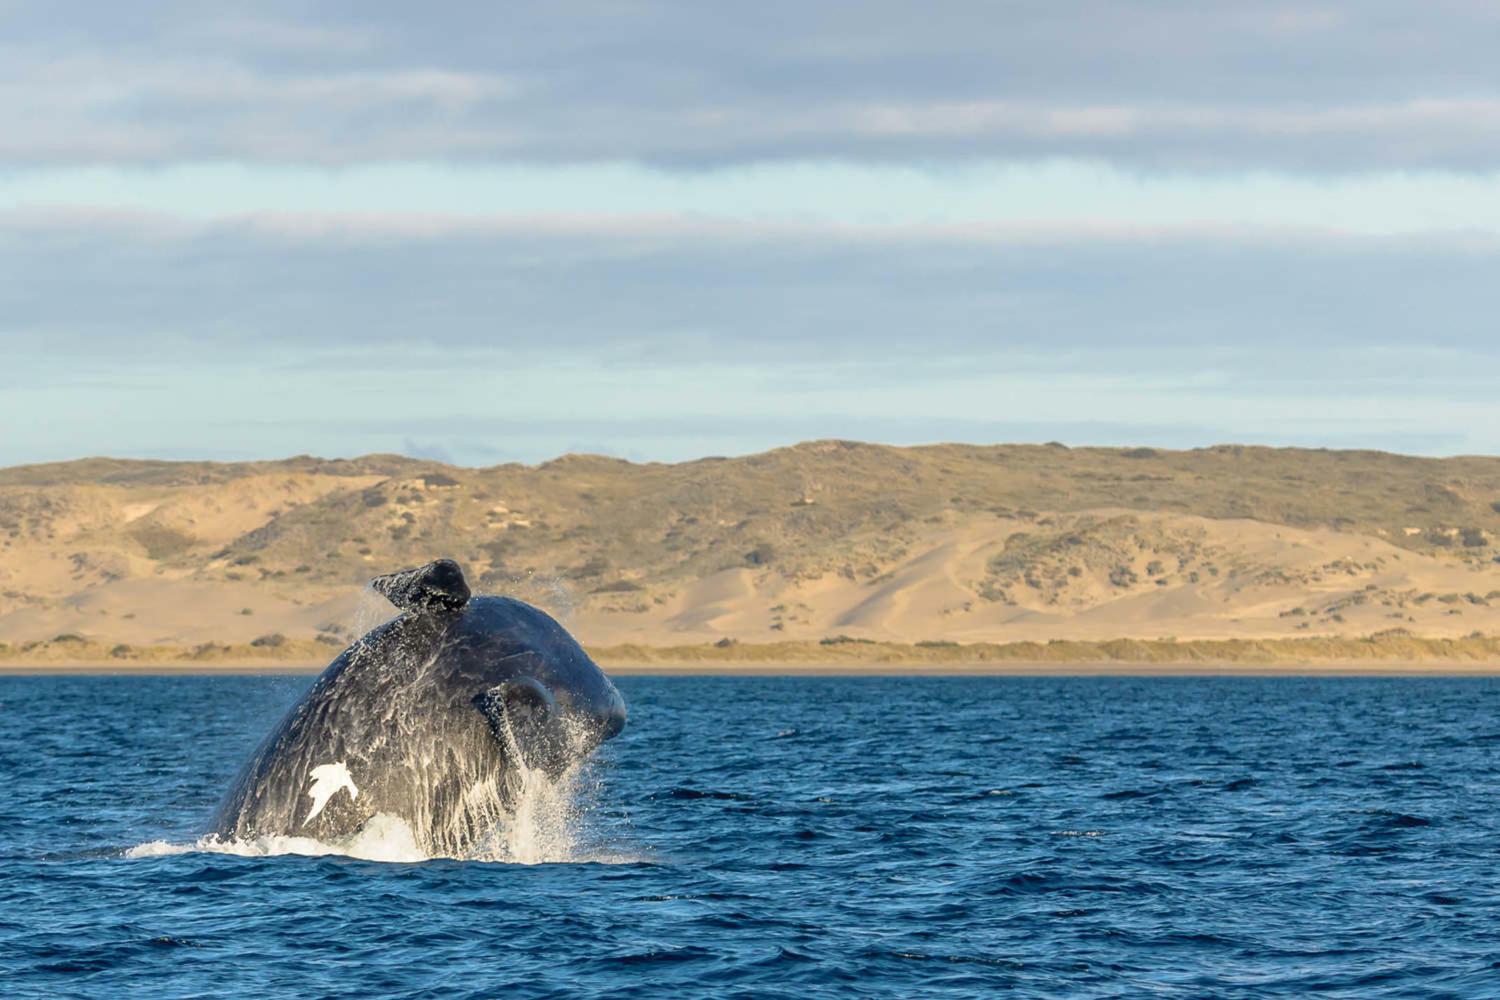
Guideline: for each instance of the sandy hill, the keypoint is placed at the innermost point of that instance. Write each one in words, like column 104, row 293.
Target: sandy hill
column 831, row 538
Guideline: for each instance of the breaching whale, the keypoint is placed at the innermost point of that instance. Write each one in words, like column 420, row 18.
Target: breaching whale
column 429, row 718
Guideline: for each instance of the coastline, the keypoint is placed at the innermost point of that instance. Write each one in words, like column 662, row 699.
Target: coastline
column 1383, row 654
column 687, row 668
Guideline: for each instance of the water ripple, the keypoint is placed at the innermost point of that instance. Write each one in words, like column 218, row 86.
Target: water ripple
column 800, row 838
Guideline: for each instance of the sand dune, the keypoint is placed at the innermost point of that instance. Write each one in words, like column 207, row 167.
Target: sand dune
column 945, row 544
column 1270, row 581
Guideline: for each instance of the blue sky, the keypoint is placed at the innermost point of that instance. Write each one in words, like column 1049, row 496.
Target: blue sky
column 491, row 233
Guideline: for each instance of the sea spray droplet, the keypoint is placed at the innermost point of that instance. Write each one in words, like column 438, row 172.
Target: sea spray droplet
column 372, row 611
column 547, row 815
column 543, row 826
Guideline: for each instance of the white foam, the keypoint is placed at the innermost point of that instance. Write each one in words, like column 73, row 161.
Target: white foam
column 543, row 826
column 546, row 826
column 382, row 838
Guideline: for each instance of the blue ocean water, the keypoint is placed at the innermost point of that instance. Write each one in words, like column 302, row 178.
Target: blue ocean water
column 810, row 837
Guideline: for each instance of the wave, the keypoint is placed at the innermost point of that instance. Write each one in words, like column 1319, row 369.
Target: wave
column 382, row 838
column 547, row 825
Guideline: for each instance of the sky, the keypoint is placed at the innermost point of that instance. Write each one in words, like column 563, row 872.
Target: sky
column 486, row 233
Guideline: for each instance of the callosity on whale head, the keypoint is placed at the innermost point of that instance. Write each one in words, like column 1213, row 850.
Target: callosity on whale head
column 432, row 718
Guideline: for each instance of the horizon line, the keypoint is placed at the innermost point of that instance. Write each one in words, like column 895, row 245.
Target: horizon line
column 1138, row 451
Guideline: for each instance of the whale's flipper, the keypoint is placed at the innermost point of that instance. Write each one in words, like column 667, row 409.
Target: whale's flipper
column 438, row 586
column 522, row 698
column 519, row 711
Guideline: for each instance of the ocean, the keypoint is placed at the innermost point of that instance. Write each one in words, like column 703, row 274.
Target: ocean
column 792, row 837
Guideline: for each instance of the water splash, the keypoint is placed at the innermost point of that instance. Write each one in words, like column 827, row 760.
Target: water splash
column 546, row 814
column 382, row 838
column 550, row 593
column 547, row 823
column 372, row 611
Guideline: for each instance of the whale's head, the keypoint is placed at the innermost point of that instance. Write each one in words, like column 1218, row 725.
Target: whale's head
column 542, row 696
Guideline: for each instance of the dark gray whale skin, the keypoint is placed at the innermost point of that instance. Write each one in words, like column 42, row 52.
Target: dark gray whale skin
column 433, row 714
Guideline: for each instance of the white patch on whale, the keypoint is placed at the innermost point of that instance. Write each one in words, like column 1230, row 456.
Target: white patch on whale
column 327, row 779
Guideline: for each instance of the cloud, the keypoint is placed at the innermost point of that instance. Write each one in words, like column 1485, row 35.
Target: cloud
column 1263, row 84
column 501, row 231
column 426, row 449
column 137, row 289
column 145, row 335
column 868, row 199
column 530, row 413
column 520, row 339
